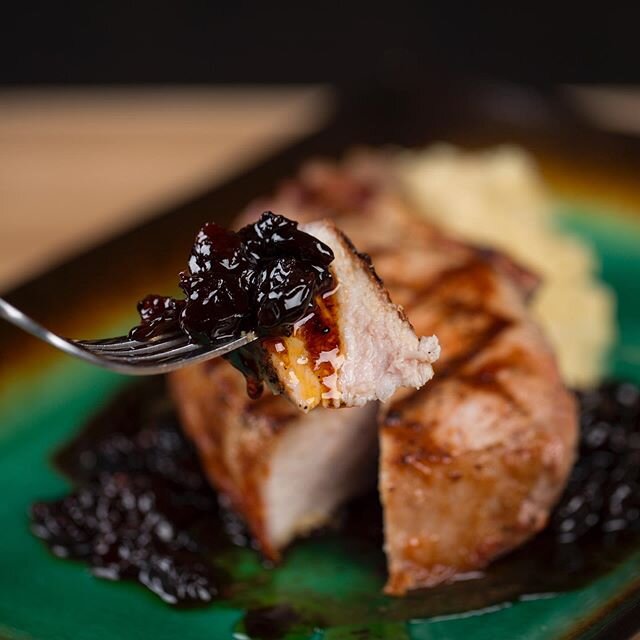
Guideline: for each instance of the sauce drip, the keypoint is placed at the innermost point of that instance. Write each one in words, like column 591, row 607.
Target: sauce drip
column 314, row 346
column 142, row 510
column 263, row 278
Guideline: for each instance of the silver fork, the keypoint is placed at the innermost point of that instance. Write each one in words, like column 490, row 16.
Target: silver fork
column 160, row 354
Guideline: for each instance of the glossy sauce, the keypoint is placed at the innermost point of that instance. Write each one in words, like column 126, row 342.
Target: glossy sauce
column 142, row 510
column 311, row 357
column 263, row 278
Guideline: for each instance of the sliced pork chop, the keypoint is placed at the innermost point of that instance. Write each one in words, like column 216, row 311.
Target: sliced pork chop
column 283, row 471
column 354, row 347
column 472, row 464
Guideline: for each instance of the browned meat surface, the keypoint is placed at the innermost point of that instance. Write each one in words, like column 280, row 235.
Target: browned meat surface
column 471, row 468
column 470, row 465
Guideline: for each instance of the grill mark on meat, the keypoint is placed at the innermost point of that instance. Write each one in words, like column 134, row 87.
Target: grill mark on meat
column 475, row 274
column 483, row 341
column 472, row 326
column 486, row 377
column 483, row 379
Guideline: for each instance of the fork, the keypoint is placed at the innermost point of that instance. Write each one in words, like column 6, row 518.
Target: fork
column 159, row 354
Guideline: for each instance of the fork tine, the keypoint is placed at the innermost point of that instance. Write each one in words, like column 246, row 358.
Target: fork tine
column 172, row 362
column 107, row 348
column 124, row 342
column 116, row 342
column 133, row 357
column 175, row 355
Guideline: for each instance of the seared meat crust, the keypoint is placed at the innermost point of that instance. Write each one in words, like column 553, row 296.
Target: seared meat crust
column 471, row 464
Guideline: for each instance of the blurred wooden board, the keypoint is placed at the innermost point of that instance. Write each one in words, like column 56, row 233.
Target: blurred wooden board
column 83, row 164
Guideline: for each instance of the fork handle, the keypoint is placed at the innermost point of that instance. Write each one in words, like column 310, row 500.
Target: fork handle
column 22, row 321
column 19, row 319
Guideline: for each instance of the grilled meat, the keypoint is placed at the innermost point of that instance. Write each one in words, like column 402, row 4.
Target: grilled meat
column 470, row 465
column 471, row 469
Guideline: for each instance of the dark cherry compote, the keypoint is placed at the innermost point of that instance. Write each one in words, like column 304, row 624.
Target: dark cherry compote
column 262, row 278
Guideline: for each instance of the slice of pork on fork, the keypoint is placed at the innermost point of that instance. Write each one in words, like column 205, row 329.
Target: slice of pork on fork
column 355, row 346
column 471, row 465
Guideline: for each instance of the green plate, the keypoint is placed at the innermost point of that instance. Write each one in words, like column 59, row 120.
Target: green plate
column 45, row 398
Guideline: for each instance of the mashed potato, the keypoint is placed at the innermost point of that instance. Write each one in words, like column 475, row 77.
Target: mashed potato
column 496, row 198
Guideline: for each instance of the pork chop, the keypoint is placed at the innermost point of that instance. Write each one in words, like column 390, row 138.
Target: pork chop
column 470, row 465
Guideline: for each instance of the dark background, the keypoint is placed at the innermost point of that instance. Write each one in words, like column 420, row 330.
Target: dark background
column 351, row 44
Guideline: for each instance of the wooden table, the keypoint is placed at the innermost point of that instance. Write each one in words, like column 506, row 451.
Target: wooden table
column 79, row 165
